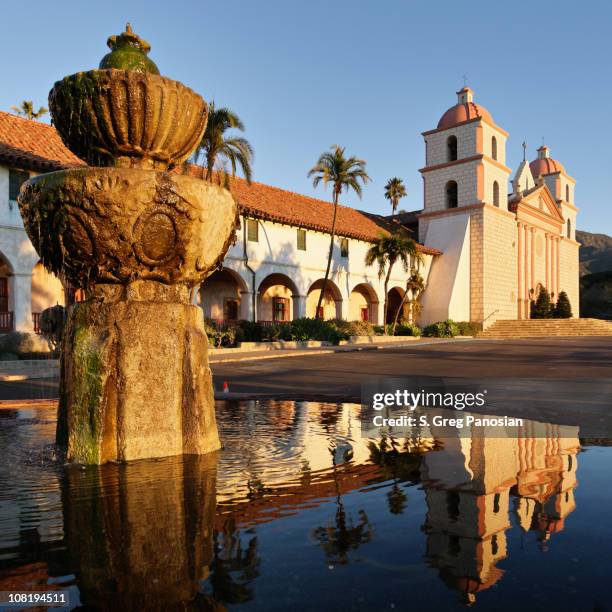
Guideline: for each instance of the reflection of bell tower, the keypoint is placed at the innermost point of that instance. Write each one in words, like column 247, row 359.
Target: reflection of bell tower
column 466, row 537
column 466, row 216
column 468, row 487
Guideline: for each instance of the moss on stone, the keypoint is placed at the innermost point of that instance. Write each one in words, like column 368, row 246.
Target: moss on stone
column 87, row 394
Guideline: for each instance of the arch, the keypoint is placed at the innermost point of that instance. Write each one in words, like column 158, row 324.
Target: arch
column 394, row 299
column 275, row 298
column 332, row 301
column 567, row 193
column 452, row 195
column 569, row 228
column 220, row 295
column 451, row 148
column 494, row 148
column 6, row 294
column 363, row 304
column 496, row 194
column 47, row 291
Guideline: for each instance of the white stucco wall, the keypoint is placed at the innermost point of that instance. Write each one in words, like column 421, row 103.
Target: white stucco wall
column 448, row 293
column 17, row 250
column 276, row 252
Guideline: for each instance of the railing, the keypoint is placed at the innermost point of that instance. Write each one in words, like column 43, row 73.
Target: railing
column 36, row 322
column 224, row 323
column 271, row 323
column 488, row 317
column 6, row 321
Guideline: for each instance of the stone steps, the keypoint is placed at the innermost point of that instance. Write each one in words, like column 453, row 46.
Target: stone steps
column 544, row 328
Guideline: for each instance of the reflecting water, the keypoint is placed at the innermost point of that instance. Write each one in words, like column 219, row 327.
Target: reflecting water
column 298, row 511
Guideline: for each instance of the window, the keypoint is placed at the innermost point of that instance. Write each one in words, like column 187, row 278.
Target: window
column 451, row 148
column 494, row 545
column 4, row 294
column 231, row 310
column 365, row 314
column 496, row 194
column 452, row 505
column 16, row 179
column 496, row 503
column 567, row 193
column 569, row 228
column 452, row 199
column 301, row 240
column 280, row 309
column 344, row 247
column 252, row 230
column 494, row 148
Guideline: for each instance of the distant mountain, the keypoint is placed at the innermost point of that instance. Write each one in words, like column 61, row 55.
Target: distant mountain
column 595, row 275
column 595, row 252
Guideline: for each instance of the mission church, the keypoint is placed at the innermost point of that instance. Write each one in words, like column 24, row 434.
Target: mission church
column 502, row 241
column 488, row 244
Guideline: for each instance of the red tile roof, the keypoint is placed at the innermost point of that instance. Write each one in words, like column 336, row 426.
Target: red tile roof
column 33, row 145
column 282, row 206
column 37, row 146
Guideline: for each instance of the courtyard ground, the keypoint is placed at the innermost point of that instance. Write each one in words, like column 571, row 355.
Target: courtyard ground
column 564, row 380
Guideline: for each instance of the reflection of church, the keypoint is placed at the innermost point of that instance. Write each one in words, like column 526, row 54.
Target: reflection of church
column 478, row 482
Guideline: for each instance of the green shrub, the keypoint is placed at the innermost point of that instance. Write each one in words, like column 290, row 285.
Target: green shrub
column 441, row 329
column 249, row 331
column 563, row 309
column 468, row 328
column 541, row 308
column 407, row 329
column 23, row 343
column 353, row 328
column 219, row 337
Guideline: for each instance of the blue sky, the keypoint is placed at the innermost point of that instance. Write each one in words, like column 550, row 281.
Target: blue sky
column 368, row 75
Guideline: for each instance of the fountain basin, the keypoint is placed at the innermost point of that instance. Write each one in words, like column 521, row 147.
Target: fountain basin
column 128, row 119
column 118, row 226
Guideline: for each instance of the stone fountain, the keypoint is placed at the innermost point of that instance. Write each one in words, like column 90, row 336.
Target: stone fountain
column 138, row 238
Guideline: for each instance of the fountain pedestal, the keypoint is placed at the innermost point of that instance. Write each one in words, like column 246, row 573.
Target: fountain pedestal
column 137, row 382
column 139, row 239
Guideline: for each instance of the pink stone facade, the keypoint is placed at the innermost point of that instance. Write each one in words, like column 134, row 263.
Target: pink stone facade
column 521, row 234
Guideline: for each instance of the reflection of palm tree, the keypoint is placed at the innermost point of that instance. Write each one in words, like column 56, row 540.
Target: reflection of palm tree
column 397, row 499
column 338, row 539
column 399, row 466
column 233, row 568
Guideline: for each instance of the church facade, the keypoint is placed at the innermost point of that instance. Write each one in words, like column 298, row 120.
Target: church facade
column 502, row 240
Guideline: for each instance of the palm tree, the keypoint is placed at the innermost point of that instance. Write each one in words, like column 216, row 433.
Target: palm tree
column 344, row 173
column 414, row 287
column 217, row 149
column 386, row 252
column 26, row 109
column 394, row 192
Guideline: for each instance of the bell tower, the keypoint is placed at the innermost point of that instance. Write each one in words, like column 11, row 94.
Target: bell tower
column 465, row 183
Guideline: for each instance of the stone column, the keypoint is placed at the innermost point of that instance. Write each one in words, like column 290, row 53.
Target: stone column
column 547, row 260
column 557, row 272
column 532, row 257
column 22, row 301
column 247, row 311
column 519, row 259
column 299, row 306
column 526, row 262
